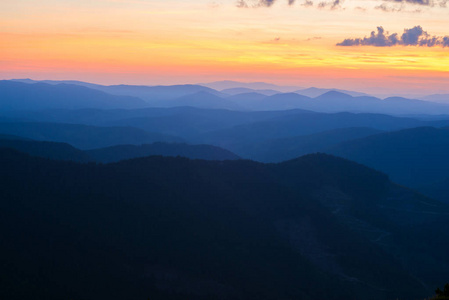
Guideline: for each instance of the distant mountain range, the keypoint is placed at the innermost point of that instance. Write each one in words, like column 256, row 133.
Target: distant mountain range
column 75, row 95
column 152, row 95
column 439, row 98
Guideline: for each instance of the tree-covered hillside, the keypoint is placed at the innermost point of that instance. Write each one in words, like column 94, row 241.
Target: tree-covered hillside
column 317, row 227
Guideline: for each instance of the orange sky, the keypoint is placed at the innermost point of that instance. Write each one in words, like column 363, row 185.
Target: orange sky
column 172, row 41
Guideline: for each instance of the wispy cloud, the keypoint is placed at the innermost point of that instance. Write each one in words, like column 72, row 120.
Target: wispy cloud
column 415, row 36
column 395, row 8
column 307, row 3
column 314, row 38
column 259, row 3
column 387, row 8
column 417, row 2
column 332, row 4
column 429, row 3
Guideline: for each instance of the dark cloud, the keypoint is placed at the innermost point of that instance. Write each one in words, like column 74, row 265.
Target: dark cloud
column 266, row 3
column 415, row 36
column 241, row 4
column 259, row 3
column 411, row 36
column 445, row 41
column 332, row 4
column 378, row 39
column 430, row 3
column 419, row 2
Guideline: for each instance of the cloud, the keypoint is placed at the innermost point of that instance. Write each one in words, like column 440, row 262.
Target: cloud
column 411, row 36
column 266, row 3
column 332, row 4
column 314, row 38
column 431, row 3
column 258, row 3
column 386, row 8
column 418, row 2
column 359, row 8
column 307, row 3
column 241, row 4
column 415, row 36
column 401, row 8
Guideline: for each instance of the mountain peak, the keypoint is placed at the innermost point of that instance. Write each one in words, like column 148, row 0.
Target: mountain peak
column 335, row 94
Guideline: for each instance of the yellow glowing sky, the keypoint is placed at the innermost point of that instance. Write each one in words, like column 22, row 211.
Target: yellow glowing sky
column 175, row 41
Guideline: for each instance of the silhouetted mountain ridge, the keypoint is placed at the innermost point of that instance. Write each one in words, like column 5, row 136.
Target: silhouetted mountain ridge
column 121, row 152
column 51, row 150
column 84, row 136
column 63, row 151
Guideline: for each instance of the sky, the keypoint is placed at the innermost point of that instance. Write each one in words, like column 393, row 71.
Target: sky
column 377, row 46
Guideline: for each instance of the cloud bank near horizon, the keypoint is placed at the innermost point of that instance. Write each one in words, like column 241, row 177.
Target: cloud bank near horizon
column 415, row 36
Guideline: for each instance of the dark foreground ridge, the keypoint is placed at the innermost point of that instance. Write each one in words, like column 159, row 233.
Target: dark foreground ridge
column 317, row 227
column 63, row 151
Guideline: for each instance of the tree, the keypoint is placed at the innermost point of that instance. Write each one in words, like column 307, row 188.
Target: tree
column 442, row 294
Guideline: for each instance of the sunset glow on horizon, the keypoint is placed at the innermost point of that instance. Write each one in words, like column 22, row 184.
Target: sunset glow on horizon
column 170, row 42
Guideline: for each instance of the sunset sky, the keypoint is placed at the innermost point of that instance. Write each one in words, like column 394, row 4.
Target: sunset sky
column 285, row 42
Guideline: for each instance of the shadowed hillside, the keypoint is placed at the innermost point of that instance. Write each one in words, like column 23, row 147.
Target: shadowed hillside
column 241, row 136
column 52, row 150
column 277, row 150
column 172, row 228
column 413, row 157
column 83, row 136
